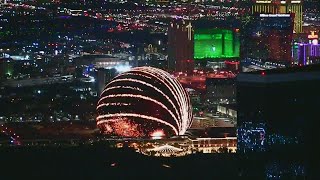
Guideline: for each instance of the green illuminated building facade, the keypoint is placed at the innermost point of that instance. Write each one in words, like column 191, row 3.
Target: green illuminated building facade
column 216, row 44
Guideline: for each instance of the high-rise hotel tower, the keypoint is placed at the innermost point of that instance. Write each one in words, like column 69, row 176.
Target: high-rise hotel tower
column 281, row 7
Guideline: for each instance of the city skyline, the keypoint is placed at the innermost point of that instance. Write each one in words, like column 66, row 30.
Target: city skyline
column 161, row 89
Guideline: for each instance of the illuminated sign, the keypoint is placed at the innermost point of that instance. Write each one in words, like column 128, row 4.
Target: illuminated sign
column 294, row 2
column 274, row 15
column 263, row 2
column 313, row 35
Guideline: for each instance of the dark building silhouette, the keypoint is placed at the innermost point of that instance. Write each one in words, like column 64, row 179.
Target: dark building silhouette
column 220, row 90
column 278, row 117
column 104, row 76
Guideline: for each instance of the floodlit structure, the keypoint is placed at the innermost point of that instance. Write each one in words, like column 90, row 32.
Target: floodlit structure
column 215, row 44
column 167, row 151
column 305, row 53
column 144, row 102
column 308, row 53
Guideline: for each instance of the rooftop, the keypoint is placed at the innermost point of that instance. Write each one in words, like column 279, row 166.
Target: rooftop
column 291, row 74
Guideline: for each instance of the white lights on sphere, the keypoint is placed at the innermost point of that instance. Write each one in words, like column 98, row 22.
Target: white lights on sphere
column 144, row 102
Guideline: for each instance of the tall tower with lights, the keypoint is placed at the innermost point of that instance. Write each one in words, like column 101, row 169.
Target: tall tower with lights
column 281, row 7
column 180, row 47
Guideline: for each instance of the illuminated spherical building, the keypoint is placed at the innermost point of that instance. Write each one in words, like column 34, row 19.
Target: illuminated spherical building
column 144, row 102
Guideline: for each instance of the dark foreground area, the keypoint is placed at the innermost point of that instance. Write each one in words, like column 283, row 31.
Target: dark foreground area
column 99, row 162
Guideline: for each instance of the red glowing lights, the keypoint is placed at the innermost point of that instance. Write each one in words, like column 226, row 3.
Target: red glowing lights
column 144, row 102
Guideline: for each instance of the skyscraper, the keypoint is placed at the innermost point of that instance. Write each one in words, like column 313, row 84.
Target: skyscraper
column 281, row 7
column 180, row 47
column 308, row 53
column 104, row 76
column 278, row 116
column 268, row 37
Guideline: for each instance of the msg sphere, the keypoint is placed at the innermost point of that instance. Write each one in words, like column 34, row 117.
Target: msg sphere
column 144, row 102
